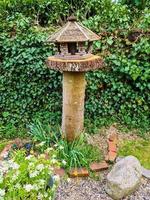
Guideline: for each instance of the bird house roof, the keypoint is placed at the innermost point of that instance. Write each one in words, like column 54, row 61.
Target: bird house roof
column 73, row 31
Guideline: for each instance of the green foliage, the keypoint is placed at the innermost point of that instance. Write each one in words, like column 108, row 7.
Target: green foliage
column 41, row 11
column 70, row 154
column 136, row 3
column 24, row 79
column 3, row 144
column 92, row 126
column 77, row 153
column 9, row 131
column 43, row 133
column 122, row 88
column 138, row 148
column 24, row 177
column 112, row 17
column 29, row 90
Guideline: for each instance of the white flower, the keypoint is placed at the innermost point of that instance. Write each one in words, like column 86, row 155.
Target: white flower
column 15, row 166
column 40, row 144
column 68, row 180
column 61, row 147
column 31, row 166
column 64, row 162
column 2, row 193
column 5, row 155
column 49, row 149
column 45, row 195
column 40, row 167
column 54, row 161
column 34, row 174
column 40, row 196
column 12, row 164
column 15, row 176
column 42, row 182
column 18, row 186
column 4, row 167
column 28, row 187
column 29, row 157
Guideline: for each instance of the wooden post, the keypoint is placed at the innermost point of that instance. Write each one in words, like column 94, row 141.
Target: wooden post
column 73, row 104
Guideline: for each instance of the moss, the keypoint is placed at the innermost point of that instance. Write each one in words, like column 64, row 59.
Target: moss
column 139, row 148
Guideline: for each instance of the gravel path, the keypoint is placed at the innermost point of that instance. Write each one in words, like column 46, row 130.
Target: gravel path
column 89, row 189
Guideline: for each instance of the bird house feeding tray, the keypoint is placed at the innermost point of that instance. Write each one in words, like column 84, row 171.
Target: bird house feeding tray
column 74, row 57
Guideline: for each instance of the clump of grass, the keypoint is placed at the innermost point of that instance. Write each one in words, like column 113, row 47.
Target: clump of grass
column 77, row 153
column 139, row 148
column 43, row 132
column 71, row 154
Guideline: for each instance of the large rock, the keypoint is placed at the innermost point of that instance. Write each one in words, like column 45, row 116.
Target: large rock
column 124, row 178
column 146, row 173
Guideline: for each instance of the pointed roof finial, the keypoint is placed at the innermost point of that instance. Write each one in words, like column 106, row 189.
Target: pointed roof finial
column 73, row 31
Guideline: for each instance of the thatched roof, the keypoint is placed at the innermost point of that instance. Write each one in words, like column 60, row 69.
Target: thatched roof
column 73, row 31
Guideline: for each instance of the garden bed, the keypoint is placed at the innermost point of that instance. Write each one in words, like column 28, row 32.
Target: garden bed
column 66, row 157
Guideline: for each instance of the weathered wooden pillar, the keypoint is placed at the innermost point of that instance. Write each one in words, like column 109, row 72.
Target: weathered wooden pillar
column 73, row 104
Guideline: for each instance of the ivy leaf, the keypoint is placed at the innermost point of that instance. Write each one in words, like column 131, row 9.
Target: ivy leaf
column 98, row 44
column 110, row 41
column 5, row 114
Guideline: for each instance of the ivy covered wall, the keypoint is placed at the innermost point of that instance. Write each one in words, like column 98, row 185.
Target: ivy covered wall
column 29, row 90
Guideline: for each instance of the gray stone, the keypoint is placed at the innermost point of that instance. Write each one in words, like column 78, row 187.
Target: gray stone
column 124, row 178
column 146, row 172
column 119, row 158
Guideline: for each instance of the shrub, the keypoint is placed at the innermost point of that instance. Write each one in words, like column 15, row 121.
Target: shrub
column 42, row 12
column 24, row 79
column 27, row 177
column 122, row 88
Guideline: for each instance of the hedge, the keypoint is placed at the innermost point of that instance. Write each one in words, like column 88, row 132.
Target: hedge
column 29, row 90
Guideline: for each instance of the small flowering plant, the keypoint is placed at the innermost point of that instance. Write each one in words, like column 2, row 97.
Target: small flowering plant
column 28, row 177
